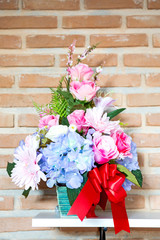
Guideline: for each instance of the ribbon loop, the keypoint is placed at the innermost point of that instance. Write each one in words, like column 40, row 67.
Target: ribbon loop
column 95, row 179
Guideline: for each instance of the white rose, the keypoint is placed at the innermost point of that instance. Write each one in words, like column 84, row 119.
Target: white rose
column 56, row 131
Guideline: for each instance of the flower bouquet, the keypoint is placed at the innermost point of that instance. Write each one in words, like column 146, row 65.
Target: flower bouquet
column 79, row 145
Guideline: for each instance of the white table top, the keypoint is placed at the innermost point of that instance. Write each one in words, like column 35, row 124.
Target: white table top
column 136, row 220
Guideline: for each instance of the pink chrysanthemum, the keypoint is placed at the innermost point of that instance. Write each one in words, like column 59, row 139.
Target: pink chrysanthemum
column 27, row 171
column 97, row 119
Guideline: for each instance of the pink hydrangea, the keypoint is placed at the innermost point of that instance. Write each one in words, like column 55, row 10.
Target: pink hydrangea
column 81, row 72
column 97, row 119
column 123, row 143
column 77, row 118
column 27, row 171
column 49, row 121
column 104, row 148
column 85, row 90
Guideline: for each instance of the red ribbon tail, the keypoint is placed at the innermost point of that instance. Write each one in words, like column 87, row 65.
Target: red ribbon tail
column 86, row 198
column 103, row 199
column 91, row 212
column 120, row 217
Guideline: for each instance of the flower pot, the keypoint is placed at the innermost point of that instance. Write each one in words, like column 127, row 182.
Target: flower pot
column 63, row 202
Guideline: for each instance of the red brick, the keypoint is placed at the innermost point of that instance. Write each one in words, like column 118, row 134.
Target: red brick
column 9, row 5
column 153, row 80
column 135, row 202
column 6, row 203
column 151, row 181
column 6, row 120
column 6, row 81
column 92, row 21
column 156, row 40
column 7, row 184
column 142, row 100
column 94, row 60
column 15, row 22
column 132, row 202
column 4, row 159
column 117, row 97
column 143, row 21
column 23, row 100
column 130, row 119
column 153, row 119
column 141, row 159
column 11, row 140
column 33, row 60
column 119, row 40
column 154, row 159
column 110, row 4
column 38, row 81
column 51, row 5
column 119, row 80
column 146, row 139
column 28, row 120
column 142, row 60
column 54, row 41
column 154, row 202
column 39, row 202
column 15, row 224
column 10, row 41
column 153, row 4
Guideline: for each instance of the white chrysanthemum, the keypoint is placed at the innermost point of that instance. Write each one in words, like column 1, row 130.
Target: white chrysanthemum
column 27, row 171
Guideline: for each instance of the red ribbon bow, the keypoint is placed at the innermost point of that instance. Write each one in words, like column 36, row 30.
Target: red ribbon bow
column 104, row 183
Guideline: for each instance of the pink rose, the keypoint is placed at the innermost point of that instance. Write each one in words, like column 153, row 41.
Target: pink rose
column 85, row 90
column 77, row 118
column 123, row 143
column 104, row 149
column 81, row 72
column 49, row 120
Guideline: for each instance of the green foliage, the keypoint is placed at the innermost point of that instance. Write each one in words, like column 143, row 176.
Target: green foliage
column 44, row 142
column 137, row 173
column 65, row 121
column 26, row 192
column 38, row 108
column 115, row 112
column 123, row 124
column 130, row 176
column 73, row 193
column 10, row 167
column 58, row 103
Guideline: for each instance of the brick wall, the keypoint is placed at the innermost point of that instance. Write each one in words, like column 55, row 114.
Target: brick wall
column 34, row 36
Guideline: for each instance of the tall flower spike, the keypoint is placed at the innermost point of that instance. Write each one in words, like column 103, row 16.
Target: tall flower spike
column 70, row 54
column 88, row 50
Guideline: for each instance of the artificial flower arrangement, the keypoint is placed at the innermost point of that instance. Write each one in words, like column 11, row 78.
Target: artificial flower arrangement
column 78, row 144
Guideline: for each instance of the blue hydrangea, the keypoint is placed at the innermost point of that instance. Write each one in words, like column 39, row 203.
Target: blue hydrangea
column 65, row 160
column 130, row 164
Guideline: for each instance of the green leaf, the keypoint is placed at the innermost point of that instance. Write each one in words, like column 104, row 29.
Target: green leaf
column 130, row 176
column 60, row 82
column 10, row 167
column 137, row 173
column 115, row 113
column 73, row 193
column 67, row 95
column 26, row 192
column 65, row 121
